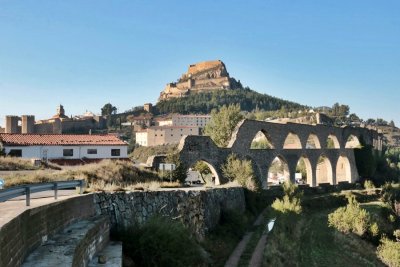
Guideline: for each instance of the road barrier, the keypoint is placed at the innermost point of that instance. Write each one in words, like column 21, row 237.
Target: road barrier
column 29, row 189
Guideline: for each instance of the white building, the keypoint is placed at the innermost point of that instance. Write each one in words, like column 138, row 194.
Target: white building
column 161, row 135
column 184, row 120
column 191, row 120
column 64, row 147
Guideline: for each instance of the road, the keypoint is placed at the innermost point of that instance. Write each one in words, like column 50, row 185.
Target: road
column 13, row 207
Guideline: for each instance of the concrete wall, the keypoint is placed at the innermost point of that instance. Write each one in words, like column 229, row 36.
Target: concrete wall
column 27, row 231
column 199, row 210
column 56, row 152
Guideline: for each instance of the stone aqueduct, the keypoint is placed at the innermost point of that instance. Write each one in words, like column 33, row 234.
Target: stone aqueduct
column 339, row 159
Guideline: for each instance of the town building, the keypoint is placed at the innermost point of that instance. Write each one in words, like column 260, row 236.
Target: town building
column 64, row 148
column 185, row 120
column 161, row 135
column 57, row 124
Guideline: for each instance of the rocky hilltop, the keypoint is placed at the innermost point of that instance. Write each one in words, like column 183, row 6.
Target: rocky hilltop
column 201, row 77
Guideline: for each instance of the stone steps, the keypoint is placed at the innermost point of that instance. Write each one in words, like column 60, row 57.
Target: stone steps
column 110, row 256
column 74, row 246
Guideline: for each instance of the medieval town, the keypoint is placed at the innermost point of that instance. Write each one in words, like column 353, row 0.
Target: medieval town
column 206, row 169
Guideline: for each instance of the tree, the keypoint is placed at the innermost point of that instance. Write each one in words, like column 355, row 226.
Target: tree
column 108, row 109
column 222, row 124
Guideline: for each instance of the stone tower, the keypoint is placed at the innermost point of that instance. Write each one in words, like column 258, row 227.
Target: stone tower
column 12, row 124
column 27, row 124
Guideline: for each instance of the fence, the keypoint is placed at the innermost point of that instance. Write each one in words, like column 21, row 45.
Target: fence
column 29, row 189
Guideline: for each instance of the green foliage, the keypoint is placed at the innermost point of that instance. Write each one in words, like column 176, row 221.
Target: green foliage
column 202, row 168
column 389, row 252
column 108, row 109
column 222, row 124
column 291, row 201
column 365, row 160
column 161, row 242
column 396, row 234
column 368, row 184
column 374, row 229
column 179, row 174
column 142, row 153
column 248, row 100
column 351, row 219
column 390, row 195
column 262, row 144
column 240, row 171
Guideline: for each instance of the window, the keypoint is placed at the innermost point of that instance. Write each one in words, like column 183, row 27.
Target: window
column 68, row 152
column 92, row 151
column 115, row 152
column 15, row 153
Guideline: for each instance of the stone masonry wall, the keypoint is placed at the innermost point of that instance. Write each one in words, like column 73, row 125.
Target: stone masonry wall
column 28, row 230
column 199, row 210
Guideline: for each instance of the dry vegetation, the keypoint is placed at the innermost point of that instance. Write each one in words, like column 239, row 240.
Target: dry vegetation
column 108, row 175
column 14, row 164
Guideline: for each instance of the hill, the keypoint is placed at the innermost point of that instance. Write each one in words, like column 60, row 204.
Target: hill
column 204, row 102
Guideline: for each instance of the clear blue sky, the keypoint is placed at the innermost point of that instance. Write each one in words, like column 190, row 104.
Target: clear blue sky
column 84, row 54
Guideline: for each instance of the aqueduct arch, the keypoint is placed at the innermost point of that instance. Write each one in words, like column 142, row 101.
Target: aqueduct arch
column 341, row 159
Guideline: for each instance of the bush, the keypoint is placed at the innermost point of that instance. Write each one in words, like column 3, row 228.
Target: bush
column 368, row 184
column 351, row 219
column 15, row 164
column 240, row 171
column 389, row 252
column 161, row 242
column 106, row 172
column 291, row 201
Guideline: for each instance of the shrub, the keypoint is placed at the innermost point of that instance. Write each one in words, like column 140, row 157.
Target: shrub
column 351, row 219
column 397, row 235
column 161, row 242
column 107, row 173
column 240, row 171
column 368, row 184
column 14, row 164
column 389, row 252
column 291, row 201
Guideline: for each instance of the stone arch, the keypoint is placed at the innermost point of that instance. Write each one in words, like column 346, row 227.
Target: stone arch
column 313, row 142
column 305, row 168
column 278, row 171
column 343, row 170
column 257, row 172
column 292, row 141
column 332, row 142
column 352, row 141
column 324, row 171
column 215, row 174
column 262, row 140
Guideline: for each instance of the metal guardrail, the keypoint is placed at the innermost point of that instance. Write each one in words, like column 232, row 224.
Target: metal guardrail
column 28, row 189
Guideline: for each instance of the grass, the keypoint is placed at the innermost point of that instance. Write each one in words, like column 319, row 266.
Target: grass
column 258, row 231
column 306, row 240
column 106, row 175
column 19, row 164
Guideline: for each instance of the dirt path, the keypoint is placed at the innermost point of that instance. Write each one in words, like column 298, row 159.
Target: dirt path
column 257, row 257
column 234, row 258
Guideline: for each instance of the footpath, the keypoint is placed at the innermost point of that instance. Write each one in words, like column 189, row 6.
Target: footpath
column 249, row 251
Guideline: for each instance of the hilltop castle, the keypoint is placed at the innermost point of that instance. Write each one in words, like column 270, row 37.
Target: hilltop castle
column 200, row 77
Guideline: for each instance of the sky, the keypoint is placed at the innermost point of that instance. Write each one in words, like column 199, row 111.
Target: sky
column 84, row 54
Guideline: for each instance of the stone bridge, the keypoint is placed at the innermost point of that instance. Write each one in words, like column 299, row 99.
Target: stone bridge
column 327, row 152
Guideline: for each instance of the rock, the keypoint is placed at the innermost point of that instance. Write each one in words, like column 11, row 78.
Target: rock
column 200, row 77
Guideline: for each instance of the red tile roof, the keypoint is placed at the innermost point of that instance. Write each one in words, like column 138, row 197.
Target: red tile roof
column 60, row 140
